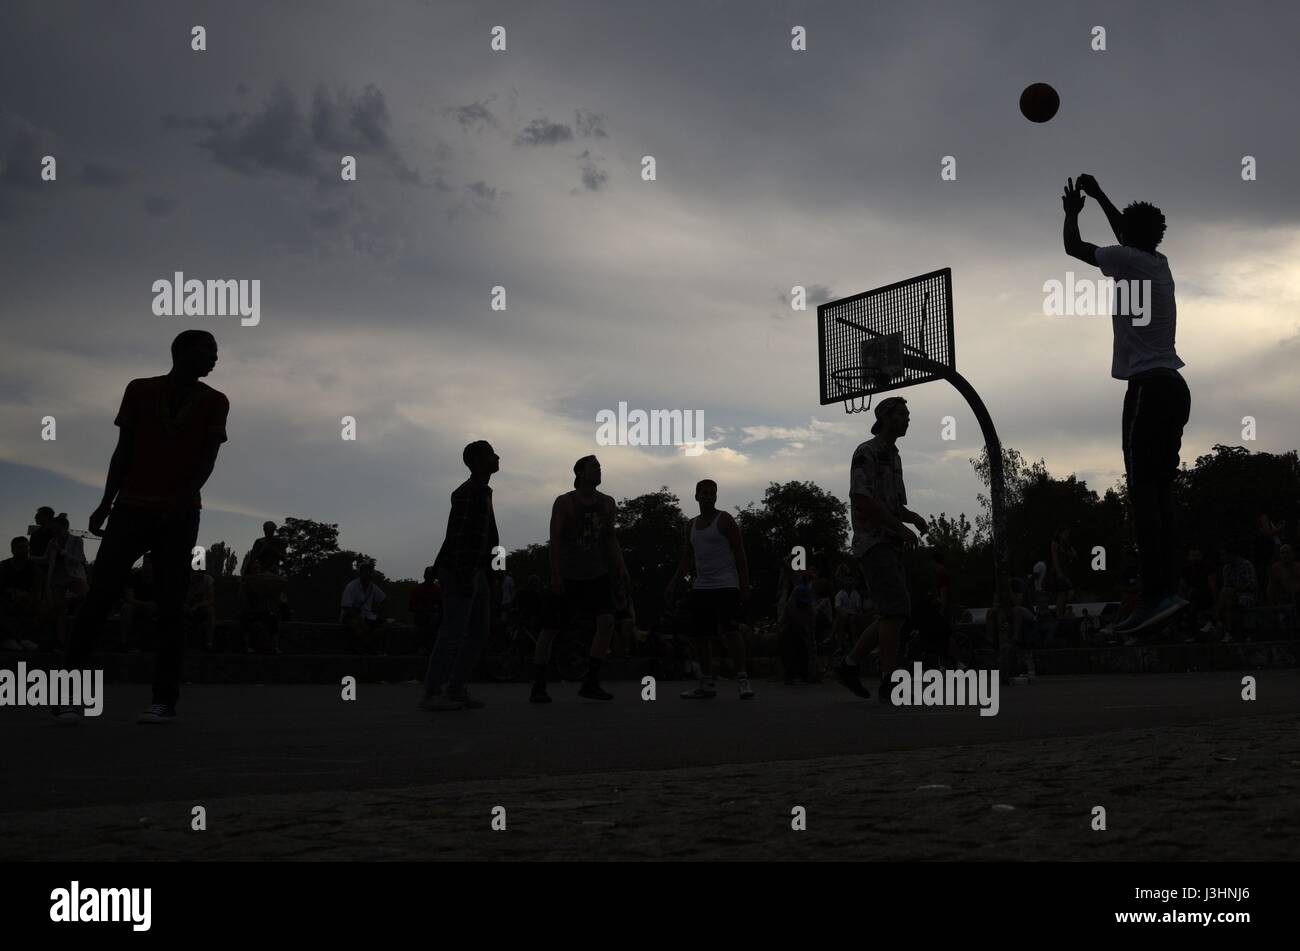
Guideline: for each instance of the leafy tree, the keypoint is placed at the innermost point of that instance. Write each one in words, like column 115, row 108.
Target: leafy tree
column 221, row 560
column 307, row 543
column 793, row 513
column 651, row 529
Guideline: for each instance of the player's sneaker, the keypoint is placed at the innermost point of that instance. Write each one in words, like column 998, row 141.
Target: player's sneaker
column 850, row 676
column 436, row 702
column 66, row 714
column 591, row 690
column 538, row 694
column 704, row 690
column 467, row 700
column 158, row 713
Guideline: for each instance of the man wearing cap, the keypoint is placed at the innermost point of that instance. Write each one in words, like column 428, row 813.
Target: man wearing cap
column 878, row 508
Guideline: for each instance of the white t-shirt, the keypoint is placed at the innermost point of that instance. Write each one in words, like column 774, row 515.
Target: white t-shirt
column 364, row 601
column 1147, row 347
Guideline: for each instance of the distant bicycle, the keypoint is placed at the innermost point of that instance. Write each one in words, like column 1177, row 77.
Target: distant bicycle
column 509, row 656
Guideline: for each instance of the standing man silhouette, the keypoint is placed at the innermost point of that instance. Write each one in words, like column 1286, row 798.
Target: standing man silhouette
column 1157, row 403
column 170, row 429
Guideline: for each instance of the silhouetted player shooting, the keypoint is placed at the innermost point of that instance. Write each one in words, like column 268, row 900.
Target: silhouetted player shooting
column 171, row 428
column 1157, row 403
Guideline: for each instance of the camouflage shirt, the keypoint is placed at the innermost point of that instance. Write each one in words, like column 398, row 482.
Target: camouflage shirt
column 877, row 472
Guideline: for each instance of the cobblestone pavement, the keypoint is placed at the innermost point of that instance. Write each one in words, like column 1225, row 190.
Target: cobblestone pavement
column 1226, row 789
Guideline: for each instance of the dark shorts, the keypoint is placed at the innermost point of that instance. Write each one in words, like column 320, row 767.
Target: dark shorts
column 586, row 598
column 882, row 570
column 713, row 609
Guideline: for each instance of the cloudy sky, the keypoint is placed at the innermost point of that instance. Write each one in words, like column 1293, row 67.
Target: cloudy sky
column 521, row 168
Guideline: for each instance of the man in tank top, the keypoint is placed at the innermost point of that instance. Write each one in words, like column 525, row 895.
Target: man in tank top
column 714, row 556
column 586, row 567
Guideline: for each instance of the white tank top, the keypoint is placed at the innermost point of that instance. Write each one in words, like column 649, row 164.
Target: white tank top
column 715, row 562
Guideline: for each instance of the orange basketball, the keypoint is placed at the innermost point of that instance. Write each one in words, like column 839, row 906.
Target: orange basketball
column 1039, row 102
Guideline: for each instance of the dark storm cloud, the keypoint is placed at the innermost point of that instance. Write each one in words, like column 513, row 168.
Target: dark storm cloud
column 474, row 115
column 482, row 191
column 282, row 138
column 159, row 205
column 591, row 124
column 593, row 176
column 544, row 132
column 101, row 175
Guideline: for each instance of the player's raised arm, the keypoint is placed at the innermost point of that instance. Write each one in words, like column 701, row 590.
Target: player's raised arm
column 1093, row 190
column 1072, row 201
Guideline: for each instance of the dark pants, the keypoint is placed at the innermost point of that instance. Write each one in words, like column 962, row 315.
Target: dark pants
column 1156, row 408
column 462, row 634
column 170, row 538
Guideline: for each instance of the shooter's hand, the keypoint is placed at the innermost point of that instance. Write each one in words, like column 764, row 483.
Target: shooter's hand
column 1072, row 199
column 1089, row 185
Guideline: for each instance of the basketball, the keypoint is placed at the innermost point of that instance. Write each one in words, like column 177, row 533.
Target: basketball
column 1039, row 102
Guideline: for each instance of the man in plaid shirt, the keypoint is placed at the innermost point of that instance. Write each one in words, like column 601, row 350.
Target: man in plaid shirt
column 462, row 565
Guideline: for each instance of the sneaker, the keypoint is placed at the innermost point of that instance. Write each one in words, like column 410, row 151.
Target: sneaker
column 10, row 644
column 436, row 702
column 1227, row 638
column 538, row 694
column 850, row 676
column 158, row 713
column 746, row 691
column 702, row 691
column 466, row 699
column 591, row 690
column 68, row 714
column 1211, row 627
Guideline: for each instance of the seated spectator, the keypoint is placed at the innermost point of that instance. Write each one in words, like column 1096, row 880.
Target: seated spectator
column 425, row 605
column 1238, row 593
column 1284, row 579
column 65, row 577
column 1025, row 630
column 823, row 611
column 1268, row 539
column 200, row 605
column 798, row 635
column 19, row 584
column 848, row 613
column 1198, row 585
column 262, row 598
column 508, row 596
column 624, row 623
column 362, row 610
column 139, row 604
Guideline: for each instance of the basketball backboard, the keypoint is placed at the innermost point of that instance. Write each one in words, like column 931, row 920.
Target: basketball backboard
column 865, row 340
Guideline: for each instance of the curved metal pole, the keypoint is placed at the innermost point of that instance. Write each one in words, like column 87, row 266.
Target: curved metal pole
column 997, row 480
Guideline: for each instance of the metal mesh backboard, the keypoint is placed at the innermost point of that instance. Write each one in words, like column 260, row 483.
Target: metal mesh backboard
column 920, row 309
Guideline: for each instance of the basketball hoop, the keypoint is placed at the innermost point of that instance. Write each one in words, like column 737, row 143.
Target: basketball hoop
column 856, row 379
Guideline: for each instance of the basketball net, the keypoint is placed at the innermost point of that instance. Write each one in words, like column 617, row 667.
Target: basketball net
column 871, row 377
